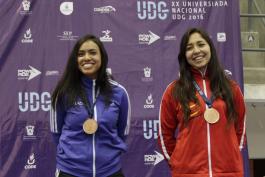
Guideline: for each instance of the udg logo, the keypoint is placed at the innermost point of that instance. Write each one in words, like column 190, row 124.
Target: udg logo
column 30, row 162
column 33, row 101
column 150, row 10
column 150, row 128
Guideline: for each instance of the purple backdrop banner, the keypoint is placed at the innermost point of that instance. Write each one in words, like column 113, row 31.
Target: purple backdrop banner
column 142, row 39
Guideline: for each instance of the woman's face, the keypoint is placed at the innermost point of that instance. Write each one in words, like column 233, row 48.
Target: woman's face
column 89, row 59
column 198, row 52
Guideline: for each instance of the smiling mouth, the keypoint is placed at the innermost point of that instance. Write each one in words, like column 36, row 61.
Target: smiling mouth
column 198, row 58
column 87, row 65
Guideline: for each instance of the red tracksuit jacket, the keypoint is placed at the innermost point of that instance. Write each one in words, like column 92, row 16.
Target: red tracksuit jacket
column 202, row 149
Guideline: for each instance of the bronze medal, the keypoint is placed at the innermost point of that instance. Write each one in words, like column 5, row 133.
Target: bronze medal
column 90, row 126
column 211, row 115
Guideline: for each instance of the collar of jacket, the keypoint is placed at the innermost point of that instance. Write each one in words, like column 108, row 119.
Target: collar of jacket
column 88, row 82
column 198, row 74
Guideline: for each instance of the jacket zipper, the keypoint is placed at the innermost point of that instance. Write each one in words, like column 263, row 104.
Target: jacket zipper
column 208, row 137
column 95, row 117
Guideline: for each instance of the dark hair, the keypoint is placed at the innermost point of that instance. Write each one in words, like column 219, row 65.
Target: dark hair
column 220, row 84
column 69, row 88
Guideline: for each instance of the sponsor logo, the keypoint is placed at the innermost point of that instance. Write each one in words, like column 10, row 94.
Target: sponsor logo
column 153, row 159
column 79, row 103
column 31, row 162
column 29, row 132
column 221, row 37
column 151, row 10
column 67, row 8
column 27, row 37
column 149, row 102
column 228, row 73
column 150, row 129
column 106, row 37
column 33, row 101
column 105, row 9
column 147, row 72
column 147, row 75
column 52, row 73
column 170, row 38
column 25, row 4
column 148, row 38
column 67, row 36
column 28, row 74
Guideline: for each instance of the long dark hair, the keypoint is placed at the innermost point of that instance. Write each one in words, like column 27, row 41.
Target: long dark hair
column 69, row 88
column 220, row 84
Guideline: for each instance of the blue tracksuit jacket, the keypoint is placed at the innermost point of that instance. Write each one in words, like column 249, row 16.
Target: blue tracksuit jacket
column 96, row 155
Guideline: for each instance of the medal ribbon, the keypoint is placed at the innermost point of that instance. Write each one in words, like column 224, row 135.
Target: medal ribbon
column 89, row 108
column 206, row 100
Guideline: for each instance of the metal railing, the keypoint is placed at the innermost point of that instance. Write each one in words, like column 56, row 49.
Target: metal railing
column 252, row 15
column 253, row 49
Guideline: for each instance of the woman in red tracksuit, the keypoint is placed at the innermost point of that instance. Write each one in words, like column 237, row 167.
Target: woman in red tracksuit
column 208, row 110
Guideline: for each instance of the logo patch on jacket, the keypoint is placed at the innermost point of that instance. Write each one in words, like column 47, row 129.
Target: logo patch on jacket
column 79, row 103
column 195, row 110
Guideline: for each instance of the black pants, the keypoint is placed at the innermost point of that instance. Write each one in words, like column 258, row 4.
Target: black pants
column 117, row 174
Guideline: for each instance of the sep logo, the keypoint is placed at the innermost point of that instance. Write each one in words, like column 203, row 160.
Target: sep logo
column 33, row 101
column 67, row 36
column 150, row 10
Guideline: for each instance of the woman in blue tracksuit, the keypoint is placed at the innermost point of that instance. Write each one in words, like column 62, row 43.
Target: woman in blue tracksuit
column 90, row 116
